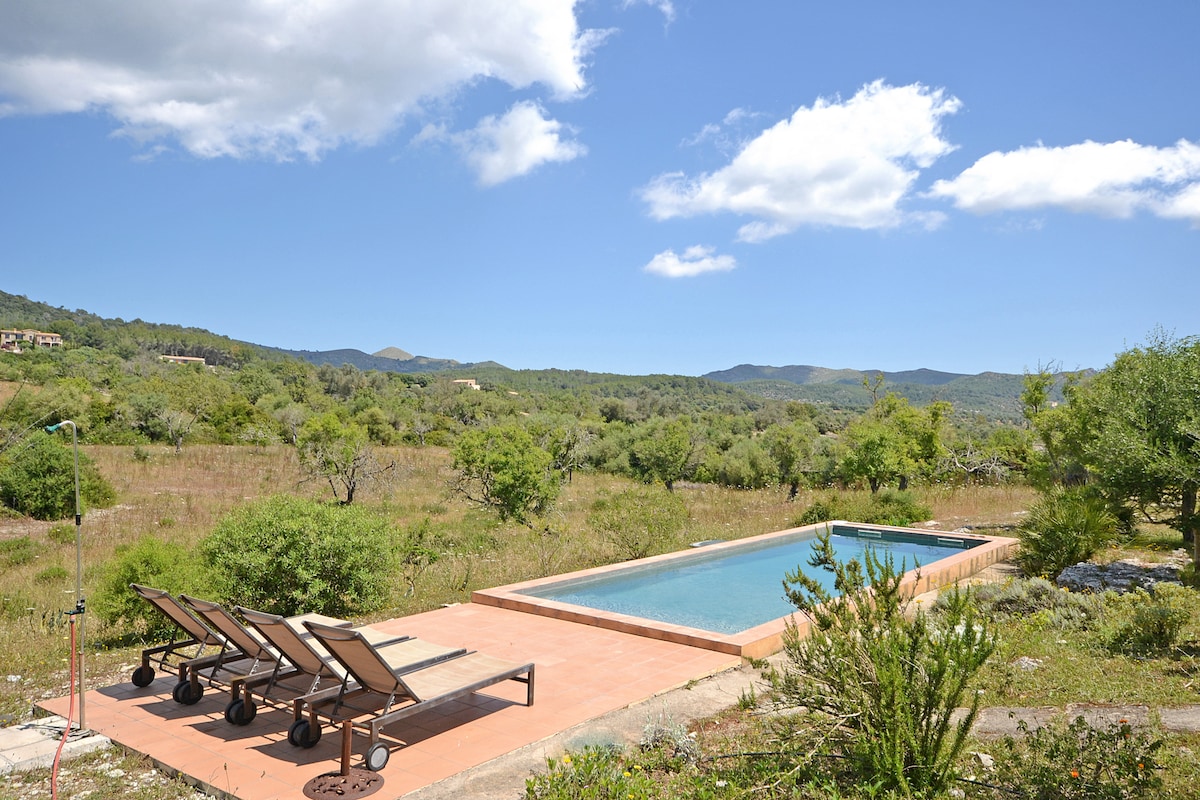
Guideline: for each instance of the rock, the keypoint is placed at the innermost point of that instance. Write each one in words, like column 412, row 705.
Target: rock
column 985, row 761
column 1027, row 664
column 1119, row 576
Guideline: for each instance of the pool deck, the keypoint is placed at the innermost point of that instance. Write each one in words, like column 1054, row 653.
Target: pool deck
column 761, row 640
column 583, row 672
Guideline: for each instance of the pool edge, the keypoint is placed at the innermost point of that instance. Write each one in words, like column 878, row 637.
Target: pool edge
column 761, row 640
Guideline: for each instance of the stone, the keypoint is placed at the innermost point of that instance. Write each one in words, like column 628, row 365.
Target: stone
column 1119, row 576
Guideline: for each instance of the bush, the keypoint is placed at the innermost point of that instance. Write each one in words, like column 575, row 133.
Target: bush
column 1149, row 621
column 1063, row 528
column 286, row 555
column 886, row 507
column 150, row 562
column 640, row 522
column 880, row 680
column 594, row 773
column 1024, row 598
column 1078, row 762
column 62, row 534
column 18, row 551
column 38, row 480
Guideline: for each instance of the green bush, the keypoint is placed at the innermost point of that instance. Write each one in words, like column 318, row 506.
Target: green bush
column 1078, row 762
column 150, row 562
column 54, row 574
column 1149, row 621
column 639, row 522
column 38, row 480
column 62, row 534
column 886, row 507
column 287, row 555
column 18, row 551
column 1065, row 527
column 1022, row 598
column 879, row 679
column 594, row 773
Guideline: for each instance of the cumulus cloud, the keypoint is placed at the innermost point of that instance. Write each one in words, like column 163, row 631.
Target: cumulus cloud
column 1115, row 179
column 838, row 163
column 277, row 80
column 500, row 148
column 696, row 260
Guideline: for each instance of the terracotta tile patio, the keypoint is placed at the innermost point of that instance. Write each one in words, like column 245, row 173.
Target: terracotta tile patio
column 581, row 672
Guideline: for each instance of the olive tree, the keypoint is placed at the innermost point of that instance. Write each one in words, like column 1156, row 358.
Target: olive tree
column 504, row 469
column 1138, row 431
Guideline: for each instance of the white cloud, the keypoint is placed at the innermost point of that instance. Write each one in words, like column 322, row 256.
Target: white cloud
column 500, row 148
column 665, row 6
column 696, row 260
column 1114, row 179
column 277, row 79
column 841, row 163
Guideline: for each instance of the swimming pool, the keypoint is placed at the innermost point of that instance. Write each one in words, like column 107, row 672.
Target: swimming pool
column 728, row 596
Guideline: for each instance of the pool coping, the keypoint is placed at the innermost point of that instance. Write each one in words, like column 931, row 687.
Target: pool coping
column 761, row 640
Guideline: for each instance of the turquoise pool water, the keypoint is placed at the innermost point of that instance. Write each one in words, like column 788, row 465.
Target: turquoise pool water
column 735, row 589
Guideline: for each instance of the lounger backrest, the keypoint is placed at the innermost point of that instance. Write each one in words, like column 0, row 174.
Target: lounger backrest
column 360, row 658
column 174, row 611
column 276, row 630
column 228, row 626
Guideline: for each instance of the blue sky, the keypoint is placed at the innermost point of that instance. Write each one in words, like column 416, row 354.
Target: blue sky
column 637, row 186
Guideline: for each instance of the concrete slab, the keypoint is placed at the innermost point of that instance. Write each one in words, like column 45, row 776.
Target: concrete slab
column 33, row 745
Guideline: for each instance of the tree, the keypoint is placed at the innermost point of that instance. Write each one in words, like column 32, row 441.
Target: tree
column 791, row 450
column 502, row 468
column 663, row 452
column 894, row 442
column 1138, row 431
column 37, row 479
column 341, row 453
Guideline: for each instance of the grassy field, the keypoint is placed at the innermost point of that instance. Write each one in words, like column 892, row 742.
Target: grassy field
column 180, row 497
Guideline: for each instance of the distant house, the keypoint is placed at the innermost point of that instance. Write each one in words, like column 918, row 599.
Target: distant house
column 11, row 340
column 468, row 382
column 183, row 360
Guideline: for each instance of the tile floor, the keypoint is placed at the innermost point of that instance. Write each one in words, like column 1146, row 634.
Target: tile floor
column 581, row 673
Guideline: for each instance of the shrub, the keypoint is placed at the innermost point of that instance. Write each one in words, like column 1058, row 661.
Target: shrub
column 287, row 555
column 150, row 562
column 54, row 574
column 642, row 521
column 1148, row 621
column 880, row 680
column 886, row 507
column 38, row 480
column 1023, row 598
column 62, row 534
column 1078, row 762
column 594, row 773
column 18, row 551
column 1063, row 528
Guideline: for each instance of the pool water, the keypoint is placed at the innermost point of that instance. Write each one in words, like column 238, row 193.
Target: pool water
column 738, row 588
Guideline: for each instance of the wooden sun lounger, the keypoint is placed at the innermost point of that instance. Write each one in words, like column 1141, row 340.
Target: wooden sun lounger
column 378, row 691
column 189, row 634
column 308, row 663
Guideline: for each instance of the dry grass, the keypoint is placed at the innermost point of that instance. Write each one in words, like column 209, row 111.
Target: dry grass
column 180, row 498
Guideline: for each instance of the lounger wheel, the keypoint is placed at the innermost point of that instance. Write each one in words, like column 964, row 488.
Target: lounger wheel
column 186, row 694
column 301, row 734
column 240, row 712
column 377, row 756
column 143, row 676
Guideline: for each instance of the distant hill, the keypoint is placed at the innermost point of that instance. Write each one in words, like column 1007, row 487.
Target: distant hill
column 993, row 394
column 382, row 361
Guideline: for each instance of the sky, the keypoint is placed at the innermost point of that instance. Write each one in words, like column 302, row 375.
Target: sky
column 626, row 186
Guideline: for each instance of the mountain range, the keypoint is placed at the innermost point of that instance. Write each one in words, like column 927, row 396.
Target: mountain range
column 992, row 394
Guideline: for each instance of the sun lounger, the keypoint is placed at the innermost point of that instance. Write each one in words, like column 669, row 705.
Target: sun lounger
column 377, row 690
column 189, row 634
column 308, row 663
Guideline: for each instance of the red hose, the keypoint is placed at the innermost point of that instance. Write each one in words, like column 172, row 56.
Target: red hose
column 70, row 715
